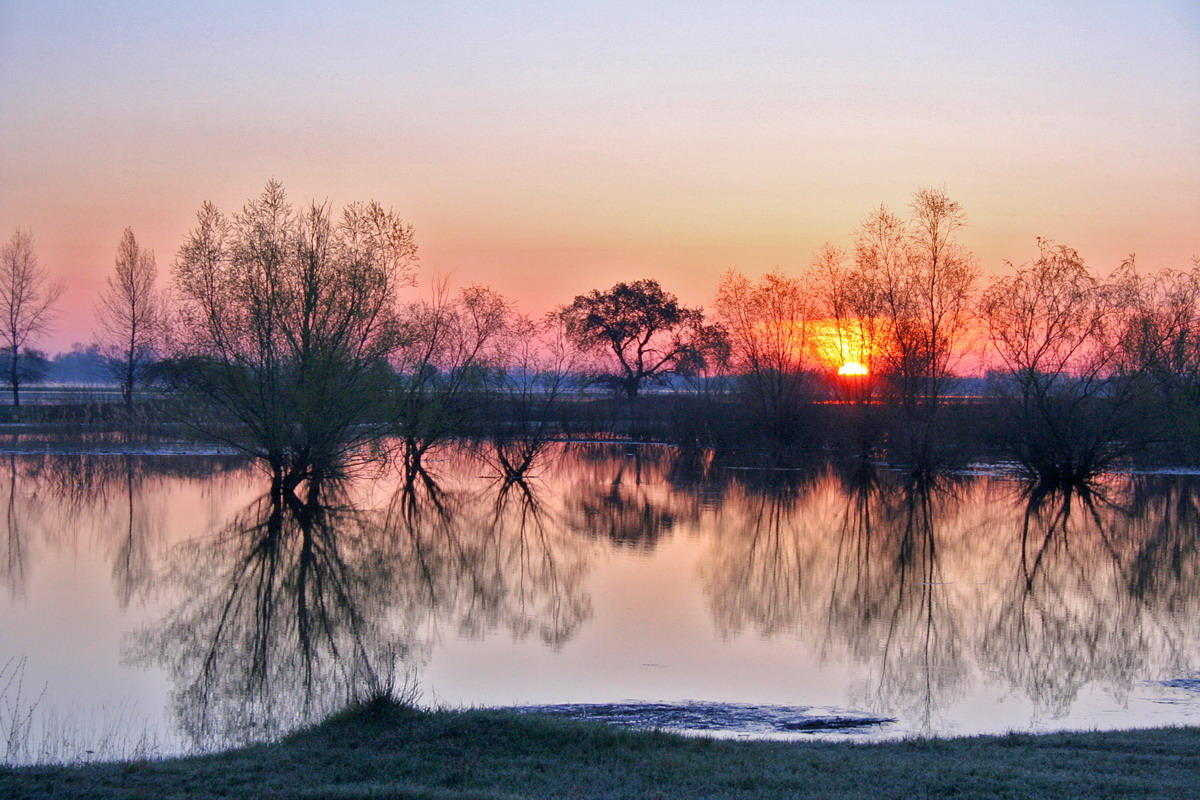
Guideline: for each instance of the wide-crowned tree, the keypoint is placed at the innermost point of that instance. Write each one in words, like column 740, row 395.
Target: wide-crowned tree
column 643, row 333
column 1056, row 332
column 287, row 321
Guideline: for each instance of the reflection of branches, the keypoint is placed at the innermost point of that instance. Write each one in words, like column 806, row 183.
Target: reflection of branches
column 131, row 561
column 624, row 511
column 1065, row 622
column 907, row 578
column 856, row 563
column 110, row 491
column 486, row 565
column 921, row 665
column 298, row 604
column 279, row 620
column 544, row 564
column 13, row 568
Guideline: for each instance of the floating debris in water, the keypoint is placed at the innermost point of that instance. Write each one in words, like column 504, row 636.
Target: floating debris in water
column 690, row 716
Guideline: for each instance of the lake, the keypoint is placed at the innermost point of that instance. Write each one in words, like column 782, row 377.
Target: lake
column 165, row 603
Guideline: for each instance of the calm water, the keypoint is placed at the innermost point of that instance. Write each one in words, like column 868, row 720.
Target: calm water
column 165, row 602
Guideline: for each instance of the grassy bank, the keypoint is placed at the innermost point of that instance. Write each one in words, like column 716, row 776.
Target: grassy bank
column 388, row 751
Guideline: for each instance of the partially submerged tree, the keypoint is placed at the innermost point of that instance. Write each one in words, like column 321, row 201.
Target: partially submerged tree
column 130, row 312
column 643, row 333
column 536, row 370
column 450, row 356
column 924, row 281
column 1160, row 349
column 287, row 321
column 768, row 324
column 1055, row 329
column 27, row 298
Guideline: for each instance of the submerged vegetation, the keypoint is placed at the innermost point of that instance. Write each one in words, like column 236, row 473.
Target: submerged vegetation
column 382, row 749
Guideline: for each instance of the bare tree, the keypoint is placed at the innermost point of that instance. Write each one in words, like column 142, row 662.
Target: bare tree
column 768, row 324
column 287, row 321
column 926, row 281
column 27, row 297
column 944, row 277
column 1160, row 348
column 129, row 312
column 451, row 354
column 1055, row 329
column 853, row 301
column 537, row 368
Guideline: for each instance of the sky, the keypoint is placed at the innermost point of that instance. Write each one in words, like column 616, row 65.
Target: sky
column 546, row 149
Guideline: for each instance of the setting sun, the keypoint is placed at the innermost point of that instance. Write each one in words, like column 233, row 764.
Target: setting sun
column 852, row 368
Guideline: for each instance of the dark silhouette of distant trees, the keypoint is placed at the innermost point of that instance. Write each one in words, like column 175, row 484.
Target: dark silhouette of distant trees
column 27, row 298
column 81, row 364
column 643, row 333
column 287, row 321
column 130, row 314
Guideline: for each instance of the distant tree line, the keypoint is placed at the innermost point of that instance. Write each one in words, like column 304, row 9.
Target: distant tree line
column 284, row 334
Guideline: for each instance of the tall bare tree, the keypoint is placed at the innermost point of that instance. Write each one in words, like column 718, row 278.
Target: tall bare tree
column 27, row 298
column 287, row 321
column 1055, row 330
column 768, row 324
column 129, row 312
column 926, row 281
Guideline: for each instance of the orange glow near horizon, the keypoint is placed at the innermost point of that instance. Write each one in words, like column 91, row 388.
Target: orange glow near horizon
column 830, row 345
column 544, row 167
column 835, row 346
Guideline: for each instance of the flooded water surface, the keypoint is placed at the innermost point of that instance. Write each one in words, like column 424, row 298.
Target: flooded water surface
column 172, row 603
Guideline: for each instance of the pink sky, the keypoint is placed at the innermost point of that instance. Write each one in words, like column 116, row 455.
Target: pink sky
column 547, row 151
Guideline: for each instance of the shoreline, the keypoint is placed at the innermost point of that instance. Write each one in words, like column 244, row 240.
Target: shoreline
column 385, row 749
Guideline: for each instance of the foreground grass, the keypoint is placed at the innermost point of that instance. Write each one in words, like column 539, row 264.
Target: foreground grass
column 387, row 751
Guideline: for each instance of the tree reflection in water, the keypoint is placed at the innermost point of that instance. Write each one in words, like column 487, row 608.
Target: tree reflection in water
column 919, row 593
column 932, row 587
column 1101, row 586
column 275, row 622
column 53, row 499
column 632, row 506
column 302, row 604
column 14, row 564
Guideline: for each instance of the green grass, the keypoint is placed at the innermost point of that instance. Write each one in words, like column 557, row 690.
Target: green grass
column 389, row 751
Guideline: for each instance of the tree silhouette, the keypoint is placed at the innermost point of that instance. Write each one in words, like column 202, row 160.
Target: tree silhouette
column 769, row 331
column 27, row 296
column 644, row 332
column 287, row 321
column 130, row 311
